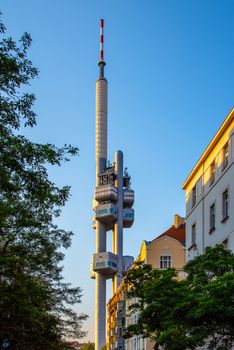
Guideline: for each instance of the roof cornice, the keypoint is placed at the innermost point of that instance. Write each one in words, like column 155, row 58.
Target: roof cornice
column 211, row 145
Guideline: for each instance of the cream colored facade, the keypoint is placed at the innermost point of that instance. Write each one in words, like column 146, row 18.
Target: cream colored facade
column 166, row 246
column 167, row 250
column 210, row 194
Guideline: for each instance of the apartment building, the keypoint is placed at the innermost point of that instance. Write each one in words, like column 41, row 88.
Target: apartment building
column 210, row 194
column 116, row 308
column 166, row 250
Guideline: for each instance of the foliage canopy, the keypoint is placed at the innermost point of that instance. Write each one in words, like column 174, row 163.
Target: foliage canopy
column 88, row 346
column 35, row 305
column 184, row 314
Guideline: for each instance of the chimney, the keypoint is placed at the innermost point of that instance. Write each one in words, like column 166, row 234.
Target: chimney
column 178, row 220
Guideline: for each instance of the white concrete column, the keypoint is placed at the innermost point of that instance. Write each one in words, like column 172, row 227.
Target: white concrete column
column 100, row 312
column 119, row 223
column 113, row 251
column 101, row 156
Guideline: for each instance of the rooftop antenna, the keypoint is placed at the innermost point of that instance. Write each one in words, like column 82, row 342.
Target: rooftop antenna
column 101, row 62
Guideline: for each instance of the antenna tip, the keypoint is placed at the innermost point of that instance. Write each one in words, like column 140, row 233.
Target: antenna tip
column 101, row 60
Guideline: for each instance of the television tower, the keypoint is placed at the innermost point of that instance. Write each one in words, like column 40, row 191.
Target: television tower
column 112, row 204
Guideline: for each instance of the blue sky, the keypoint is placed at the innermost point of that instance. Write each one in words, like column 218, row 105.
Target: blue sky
column 170, row 67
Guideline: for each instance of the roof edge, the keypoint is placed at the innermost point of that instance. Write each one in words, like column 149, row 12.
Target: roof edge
column 212, row 143
column 168, row 237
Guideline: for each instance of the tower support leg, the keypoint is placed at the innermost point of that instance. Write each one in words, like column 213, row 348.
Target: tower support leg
column 119, row 223
column 100, row 312
column 100, row 292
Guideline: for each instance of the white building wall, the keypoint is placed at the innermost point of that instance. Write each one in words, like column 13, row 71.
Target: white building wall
column 206, row 195
column 135, row 342
column 195, row 217
column 223, row 230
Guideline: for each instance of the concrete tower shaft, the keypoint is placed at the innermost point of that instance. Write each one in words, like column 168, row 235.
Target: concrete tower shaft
column 101, row 125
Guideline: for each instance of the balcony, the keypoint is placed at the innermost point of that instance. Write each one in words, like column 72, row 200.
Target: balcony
column 128, row 217
column 105, row 263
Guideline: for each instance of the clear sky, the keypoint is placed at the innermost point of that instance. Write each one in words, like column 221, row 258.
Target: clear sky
column 170, row 68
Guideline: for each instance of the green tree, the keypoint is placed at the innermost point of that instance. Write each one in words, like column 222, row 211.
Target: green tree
column 189, row 313
column 88, row 346
column 36, row 304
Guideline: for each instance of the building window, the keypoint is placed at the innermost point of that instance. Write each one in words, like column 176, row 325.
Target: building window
column 212, row 217
column 225, row 156
column 193, row 236
column 212, row 172
column 120, row 333
column 225, row 204
column 165, row 262
column 225, row 243
column 194, row 196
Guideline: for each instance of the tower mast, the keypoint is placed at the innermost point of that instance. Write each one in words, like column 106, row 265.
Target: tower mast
column 101, row 156
column 113, row 200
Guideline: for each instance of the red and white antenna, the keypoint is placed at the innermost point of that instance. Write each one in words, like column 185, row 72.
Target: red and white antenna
column 101, row 40
column 101, row 62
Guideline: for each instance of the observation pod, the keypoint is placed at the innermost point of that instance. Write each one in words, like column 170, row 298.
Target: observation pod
column 128, row 217
column 105, row 193
column 106, row 213
column 129, row 197
column 105, row 263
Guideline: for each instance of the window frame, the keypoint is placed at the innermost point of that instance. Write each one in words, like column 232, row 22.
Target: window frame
column 225, row 159
column 193, row 234
column 167, row 261
column 225, row 205
column 212, row 217
column 212, row 172
column 225, row 243
column 194, row 196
